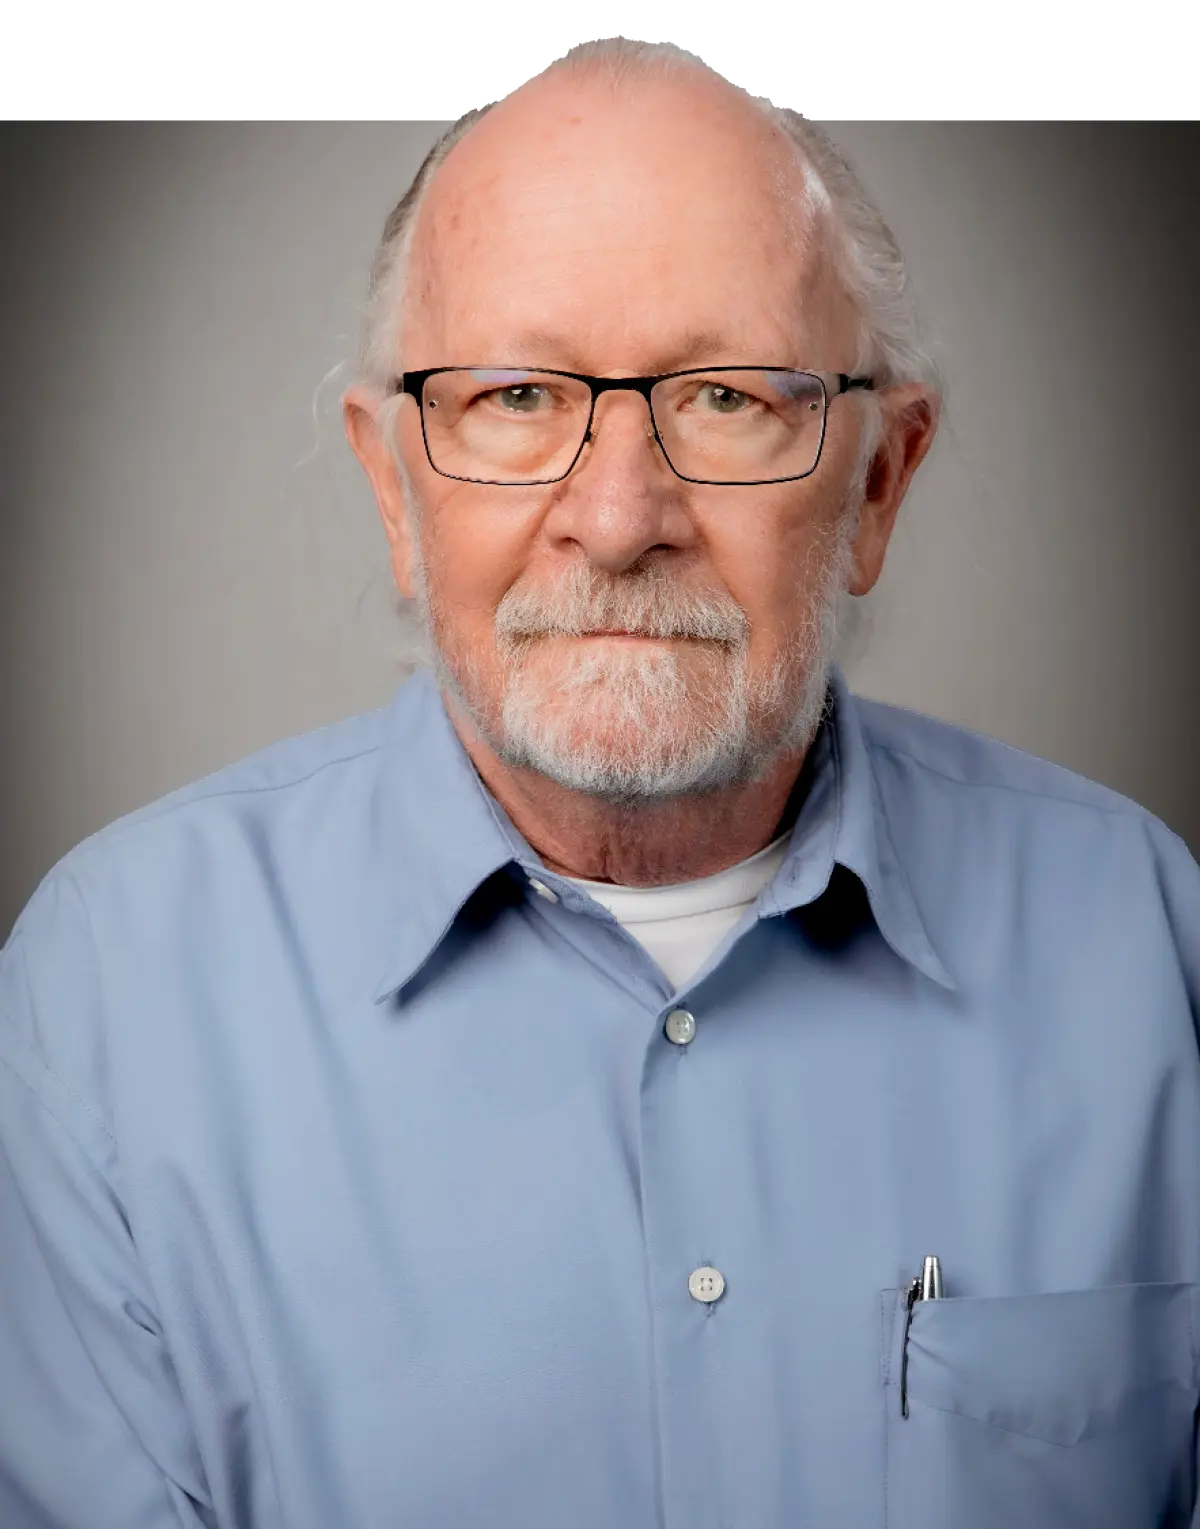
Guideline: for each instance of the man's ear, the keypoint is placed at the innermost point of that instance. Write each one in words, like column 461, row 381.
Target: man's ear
column 359, row 413
column 910, row 420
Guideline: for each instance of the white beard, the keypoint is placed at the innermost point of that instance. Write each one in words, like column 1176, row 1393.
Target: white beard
column 642, row 723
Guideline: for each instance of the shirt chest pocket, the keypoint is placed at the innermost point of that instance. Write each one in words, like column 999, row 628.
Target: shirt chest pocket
column 1073, row 1410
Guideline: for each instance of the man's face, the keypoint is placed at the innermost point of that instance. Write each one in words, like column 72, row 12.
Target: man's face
column 624, row 631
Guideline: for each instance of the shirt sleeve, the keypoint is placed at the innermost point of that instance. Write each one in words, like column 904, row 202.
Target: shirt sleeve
column 93, row 1430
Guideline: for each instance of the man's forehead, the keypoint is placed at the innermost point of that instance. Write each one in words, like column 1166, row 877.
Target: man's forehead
column 695, row 131
column 679, row 191
column 606, row 322
column 588, row 326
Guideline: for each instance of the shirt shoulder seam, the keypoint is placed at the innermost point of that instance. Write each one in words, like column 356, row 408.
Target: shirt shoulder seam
column 13, row 1065
column 39, row 1064
column 1129, row 809
column 152, row 812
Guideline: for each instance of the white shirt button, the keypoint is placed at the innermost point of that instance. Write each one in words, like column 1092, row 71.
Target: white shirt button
column 543, row 890
column 706, row 1284
column 680, row 1026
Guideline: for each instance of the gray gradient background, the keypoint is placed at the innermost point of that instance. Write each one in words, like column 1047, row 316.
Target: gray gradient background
column 191, row 565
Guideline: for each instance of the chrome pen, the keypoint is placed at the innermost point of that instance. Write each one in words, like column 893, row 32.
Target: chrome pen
column 926, row 1286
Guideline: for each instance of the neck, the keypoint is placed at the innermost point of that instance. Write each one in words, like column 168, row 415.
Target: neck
column 655, row 844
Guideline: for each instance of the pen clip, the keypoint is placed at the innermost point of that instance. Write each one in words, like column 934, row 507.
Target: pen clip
column 911, row 1296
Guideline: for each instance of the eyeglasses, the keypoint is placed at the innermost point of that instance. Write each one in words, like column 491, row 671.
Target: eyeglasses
column 510, row 426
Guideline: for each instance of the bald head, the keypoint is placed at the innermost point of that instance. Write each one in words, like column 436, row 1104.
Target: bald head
column 818, row 195
column 584, row 208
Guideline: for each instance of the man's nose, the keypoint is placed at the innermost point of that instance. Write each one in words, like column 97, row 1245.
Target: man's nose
column 621, row 497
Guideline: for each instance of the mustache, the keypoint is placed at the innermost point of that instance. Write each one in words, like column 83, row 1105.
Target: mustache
column 649, row 603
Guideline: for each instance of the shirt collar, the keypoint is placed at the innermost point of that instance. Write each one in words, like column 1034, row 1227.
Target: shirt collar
column 442, row 835
column 843, row 821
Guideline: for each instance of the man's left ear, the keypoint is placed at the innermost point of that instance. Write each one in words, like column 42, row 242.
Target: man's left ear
column 910, row 420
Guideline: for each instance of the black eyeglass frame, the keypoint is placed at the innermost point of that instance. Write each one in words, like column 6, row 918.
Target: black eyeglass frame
column 413, row 383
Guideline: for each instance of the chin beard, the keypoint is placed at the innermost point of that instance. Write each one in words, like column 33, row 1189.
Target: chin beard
column 644, row 726
column 652, row 722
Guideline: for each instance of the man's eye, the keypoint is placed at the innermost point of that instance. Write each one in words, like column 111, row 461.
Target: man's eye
column 722, row 399
column 520, row 398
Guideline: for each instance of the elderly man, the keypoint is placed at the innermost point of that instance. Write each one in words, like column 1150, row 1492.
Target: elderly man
column 628, row 1081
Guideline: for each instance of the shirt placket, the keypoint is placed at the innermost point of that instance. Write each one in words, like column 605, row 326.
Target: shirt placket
column 692, row 1287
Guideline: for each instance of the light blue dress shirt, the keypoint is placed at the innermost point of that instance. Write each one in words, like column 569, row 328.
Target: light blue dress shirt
column 350, row 1182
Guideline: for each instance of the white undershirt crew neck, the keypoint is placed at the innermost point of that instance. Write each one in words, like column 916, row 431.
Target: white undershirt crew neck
column 681, row 925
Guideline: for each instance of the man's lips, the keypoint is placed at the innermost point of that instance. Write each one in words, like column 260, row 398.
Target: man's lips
column 625, row 634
